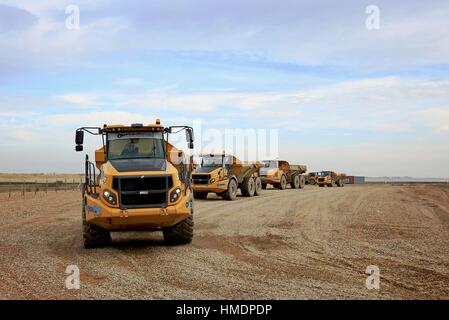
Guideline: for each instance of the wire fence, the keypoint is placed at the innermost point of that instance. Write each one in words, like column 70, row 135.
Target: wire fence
column 29, row 187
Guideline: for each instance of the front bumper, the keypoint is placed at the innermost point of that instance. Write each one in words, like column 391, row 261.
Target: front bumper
column 217, row 187
column 109, row 218
column 270, row 180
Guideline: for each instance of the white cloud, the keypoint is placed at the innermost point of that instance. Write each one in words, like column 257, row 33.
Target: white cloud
column 415, row 159
column 436, row 119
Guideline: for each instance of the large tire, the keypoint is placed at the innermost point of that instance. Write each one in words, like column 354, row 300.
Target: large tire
column 231, row 192
column 199, row 195
column 302, row 181
column 282, row 184
column 181, row 233
column 264, row 186
column 93, row 235
column 248, row 187
column 295, row 182
column 332, row 184
column 258, row 184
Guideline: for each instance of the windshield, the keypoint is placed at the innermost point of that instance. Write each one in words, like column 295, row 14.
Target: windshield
column 270, row 164
column 135, row 145
column 324, row 173
column 212, row 161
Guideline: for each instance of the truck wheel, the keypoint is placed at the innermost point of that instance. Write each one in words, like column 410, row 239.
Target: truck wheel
column 248, row 187
column 302, row 181
column 295, row 182
column 199, row 195
column 332, row 184
column 283, row 184
column 258, row 184
column 93, row 235
column 181, row 233
column 264, row 186
column 231, row 192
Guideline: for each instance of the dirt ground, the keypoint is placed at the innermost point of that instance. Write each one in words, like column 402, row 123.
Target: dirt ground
column 294, row 244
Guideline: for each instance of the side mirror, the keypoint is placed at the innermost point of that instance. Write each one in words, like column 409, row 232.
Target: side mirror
column 189, row 135
column 79, row 139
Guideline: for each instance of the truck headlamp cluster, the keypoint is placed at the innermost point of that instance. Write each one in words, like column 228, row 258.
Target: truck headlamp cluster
column 175, row 195
column 110, row 197
column 211, row 180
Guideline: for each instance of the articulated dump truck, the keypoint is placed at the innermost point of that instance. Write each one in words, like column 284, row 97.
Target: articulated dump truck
column 279, row 172
column 223, row 175
column 143, row 183
column 331, row 179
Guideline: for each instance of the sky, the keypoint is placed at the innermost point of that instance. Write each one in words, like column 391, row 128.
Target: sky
column 341, row 94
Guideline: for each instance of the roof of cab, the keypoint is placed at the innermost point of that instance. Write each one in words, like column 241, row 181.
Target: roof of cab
column 120, row 127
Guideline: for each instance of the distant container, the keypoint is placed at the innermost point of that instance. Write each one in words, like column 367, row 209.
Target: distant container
column 354, row 180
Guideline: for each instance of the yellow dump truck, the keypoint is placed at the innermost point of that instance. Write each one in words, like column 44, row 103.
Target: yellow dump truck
column 279, row 172
column 331, row 179
column 223, row 175
column 143, row 183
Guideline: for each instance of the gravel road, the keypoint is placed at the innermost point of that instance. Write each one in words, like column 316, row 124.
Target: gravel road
column 314, row 243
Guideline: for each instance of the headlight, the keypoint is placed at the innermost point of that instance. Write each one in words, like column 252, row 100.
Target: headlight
column 175, row 195
column 109, row 197
column 211, row 180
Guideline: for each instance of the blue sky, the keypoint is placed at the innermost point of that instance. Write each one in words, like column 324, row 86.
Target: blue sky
column 367, row 102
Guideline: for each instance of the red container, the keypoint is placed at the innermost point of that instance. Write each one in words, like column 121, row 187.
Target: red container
column 349, row 180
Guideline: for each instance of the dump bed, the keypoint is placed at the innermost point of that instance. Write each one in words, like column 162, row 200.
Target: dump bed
column 244, row 169
column 298, row 167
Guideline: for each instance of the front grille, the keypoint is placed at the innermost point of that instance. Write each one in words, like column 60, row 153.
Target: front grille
column 321, row 179
column 143, row 191
column 201, row 178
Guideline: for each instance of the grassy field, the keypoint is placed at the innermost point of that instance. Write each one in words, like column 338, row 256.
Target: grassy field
column 38, row 182
column 40, row 177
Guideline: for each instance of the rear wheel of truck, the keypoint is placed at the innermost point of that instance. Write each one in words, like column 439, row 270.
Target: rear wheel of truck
column 258, row 184
column 295, row 182
column 248, row 187
column 199, row 195
column 93, row 235
column 231, row 192
column 282, row 184
column 181, row 233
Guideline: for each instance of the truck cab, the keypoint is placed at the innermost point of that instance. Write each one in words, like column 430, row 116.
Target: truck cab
column 224, row 174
